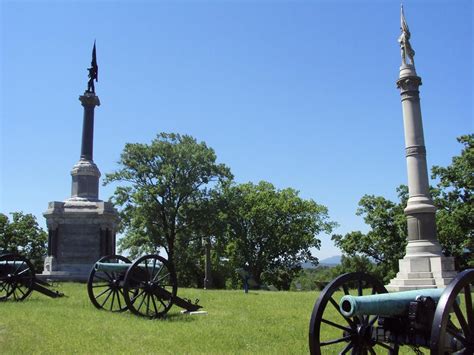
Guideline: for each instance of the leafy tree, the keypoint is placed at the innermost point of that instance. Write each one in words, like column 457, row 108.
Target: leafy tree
column 454, row 198
column 271, row 231
column 23, row 236
column 163, row 199
column 385, row 243
column 313, row 279
column 360, row 263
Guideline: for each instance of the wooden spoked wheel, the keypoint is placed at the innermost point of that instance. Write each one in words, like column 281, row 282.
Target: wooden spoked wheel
column 150, row 286
column 17, row 276
column 105, row 288
column 332, row 333
column 453, row 323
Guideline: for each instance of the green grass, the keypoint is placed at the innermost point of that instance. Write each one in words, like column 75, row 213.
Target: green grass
column 260, row 322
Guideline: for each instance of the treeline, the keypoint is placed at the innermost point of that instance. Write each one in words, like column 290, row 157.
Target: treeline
column 173, row 198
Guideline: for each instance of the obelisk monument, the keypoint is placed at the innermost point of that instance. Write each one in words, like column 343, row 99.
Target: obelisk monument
column 82, row 228
column 424, row 265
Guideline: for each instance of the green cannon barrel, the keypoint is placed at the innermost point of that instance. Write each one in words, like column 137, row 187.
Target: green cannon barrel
column 384, row 304
column 112, row 267
column 120, row 267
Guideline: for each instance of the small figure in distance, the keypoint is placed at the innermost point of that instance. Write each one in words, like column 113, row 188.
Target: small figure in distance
column 245, row 275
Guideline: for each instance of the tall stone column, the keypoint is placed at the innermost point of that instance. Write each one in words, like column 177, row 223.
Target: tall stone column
column 82, row 228
column 424, row 265
column 85, row 174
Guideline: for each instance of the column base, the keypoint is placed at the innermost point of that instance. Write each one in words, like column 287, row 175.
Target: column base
column 423, row 272
column 423, row 248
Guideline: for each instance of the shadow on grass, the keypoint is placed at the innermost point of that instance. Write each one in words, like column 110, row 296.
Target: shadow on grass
column 170, row 317
column 25, row 301
column 180, row 317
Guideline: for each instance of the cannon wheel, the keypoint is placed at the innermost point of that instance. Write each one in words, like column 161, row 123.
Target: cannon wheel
column 150, row 286
column 455, row 319
column 16, row 280
column 355, row 332
column 105, row 289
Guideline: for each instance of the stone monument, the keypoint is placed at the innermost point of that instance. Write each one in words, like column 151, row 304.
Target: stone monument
column 82, row 228
column 424, row 265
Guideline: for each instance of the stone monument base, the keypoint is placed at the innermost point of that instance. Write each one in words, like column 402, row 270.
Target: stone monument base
column 65, row 272
column 423, row 272
column 80, row 232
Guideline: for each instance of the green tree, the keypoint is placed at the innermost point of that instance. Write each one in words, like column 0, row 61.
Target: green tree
column 385, row 243
column 313, row 279
column 163, row 199
column 454, row 199
column 360, row 263
column 23, row 236
column 271, row 231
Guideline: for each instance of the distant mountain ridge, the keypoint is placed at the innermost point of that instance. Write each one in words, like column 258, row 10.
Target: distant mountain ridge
column 331, row 261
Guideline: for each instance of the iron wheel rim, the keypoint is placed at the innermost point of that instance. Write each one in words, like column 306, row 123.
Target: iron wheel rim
column 356, row 335
column 16, row 280
column 150, row 286
column 105, row 289
column 461, row 287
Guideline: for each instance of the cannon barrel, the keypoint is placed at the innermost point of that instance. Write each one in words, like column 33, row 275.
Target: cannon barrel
column 111, row 267
column 384, row 304
column 121, row 267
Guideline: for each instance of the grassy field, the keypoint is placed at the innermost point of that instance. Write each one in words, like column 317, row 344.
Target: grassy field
column 260, row 322
column 257, row 322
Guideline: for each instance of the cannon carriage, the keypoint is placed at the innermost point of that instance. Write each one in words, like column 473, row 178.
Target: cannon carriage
column 18, row 279
column 147, row 287
column 354, row 314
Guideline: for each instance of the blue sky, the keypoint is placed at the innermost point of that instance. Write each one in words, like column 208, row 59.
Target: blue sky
column 298, row 93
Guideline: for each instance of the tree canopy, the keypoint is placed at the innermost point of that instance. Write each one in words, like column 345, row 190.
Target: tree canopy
column 165, row 186
column 23, row 235
column 270, row 231
column 385, row 243
column 454, row 198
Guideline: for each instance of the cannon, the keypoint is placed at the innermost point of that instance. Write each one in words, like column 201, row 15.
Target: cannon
column 18, row 280
column 146, row 287
column 354, row 314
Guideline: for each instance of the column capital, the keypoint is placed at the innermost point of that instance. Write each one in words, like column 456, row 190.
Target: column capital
column 409, row 83
column 85, row 167
column 89, row 99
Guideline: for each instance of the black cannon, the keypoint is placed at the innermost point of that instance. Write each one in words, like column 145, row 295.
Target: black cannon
column 18, row 280
column 354, row 314
column 147, row 287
